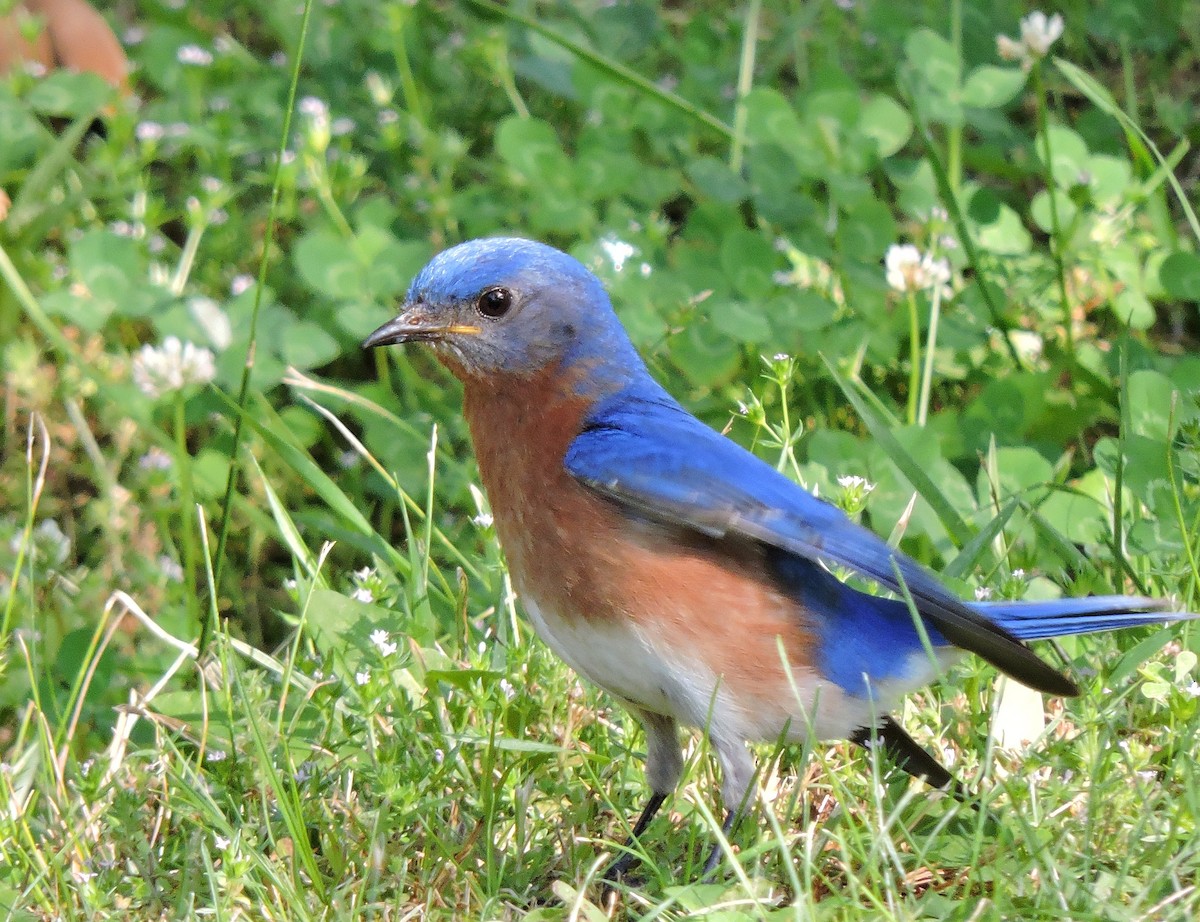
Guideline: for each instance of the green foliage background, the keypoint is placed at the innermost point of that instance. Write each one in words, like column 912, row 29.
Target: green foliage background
column 754, row 163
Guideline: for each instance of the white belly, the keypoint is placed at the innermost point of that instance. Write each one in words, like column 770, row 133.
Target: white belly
column 642, row 671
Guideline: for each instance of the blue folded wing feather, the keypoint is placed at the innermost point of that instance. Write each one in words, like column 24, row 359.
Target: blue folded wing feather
column 645, row 452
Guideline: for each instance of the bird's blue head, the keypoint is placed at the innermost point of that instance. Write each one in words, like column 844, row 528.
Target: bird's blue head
column 504, row 305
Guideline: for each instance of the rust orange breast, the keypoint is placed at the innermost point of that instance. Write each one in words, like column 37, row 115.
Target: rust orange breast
column 578, row 555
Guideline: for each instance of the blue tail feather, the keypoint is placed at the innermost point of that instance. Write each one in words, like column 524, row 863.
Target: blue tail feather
column 1060, row 617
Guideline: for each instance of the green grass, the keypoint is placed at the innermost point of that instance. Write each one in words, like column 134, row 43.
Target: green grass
column 371, row 729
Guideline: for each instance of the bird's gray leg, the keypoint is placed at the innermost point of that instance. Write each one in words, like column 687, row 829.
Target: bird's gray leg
column 737, row 773
column 664, row 765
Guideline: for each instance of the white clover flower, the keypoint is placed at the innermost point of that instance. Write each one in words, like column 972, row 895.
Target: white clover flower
column 908, row 270
column 902, row 262
column 159, row 370
column 194, row 55
column 379, row 637
column 618, row 251
column 1038, row 33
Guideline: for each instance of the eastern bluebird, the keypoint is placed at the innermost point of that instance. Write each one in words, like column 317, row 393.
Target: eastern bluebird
column 672, row 567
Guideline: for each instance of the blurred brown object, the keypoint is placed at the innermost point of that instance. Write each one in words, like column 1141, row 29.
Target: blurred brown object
column 73, row 36
column 5, row 201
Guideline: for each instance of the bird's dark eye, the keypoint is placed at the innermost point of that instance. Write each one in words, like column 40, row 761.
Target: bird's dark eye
column 495, row 302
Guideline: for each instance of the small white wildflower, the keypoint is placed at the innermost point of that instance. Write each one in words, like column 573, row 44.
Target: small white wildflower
column 618, row 251
column 178, row 130
column 780, row 357
column 349, row 459
column 937, row 274
column 241, row 284
column 155, row 460
column 289, row 584
column 313, row 107
column 220, row 842
column 1038, row 33
column 362, row 594
column 134, row 35
column 1193, row 690
column 159, row 370
column 149, row 131
column 170, row 568
column 211, row 184
column 983, row 593
column 364, row 573
column 742, row 409
column 379, row 637
column 1018, row 574
column 218, row 104
column 279, row 59
column 439, row 756
column 482, row 520
column 363, row 677
column 507, row 687
column 341, row 126
column 387, row 117
column 194, row 55
column 215, row 755
column 854, row 482
column 645, row 269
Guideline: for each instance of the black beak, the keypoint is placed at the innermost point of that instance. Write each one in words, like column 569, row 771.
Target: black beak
column 412, row 325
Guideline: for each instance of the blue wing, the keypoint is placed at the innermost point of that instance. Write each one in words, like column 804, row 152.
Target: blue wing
column 643, row 451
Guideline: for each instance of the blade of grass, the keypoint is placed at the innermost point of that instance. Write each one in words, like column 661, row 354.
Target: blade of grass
column 613, row 68
column 1093, row 90
column 959, row 531
column 252, row 341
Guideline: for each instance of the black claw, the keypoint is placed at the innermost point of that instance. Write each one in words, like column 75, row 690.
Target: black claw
column 909, row 755
column 714, row 856
column 625, row 861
